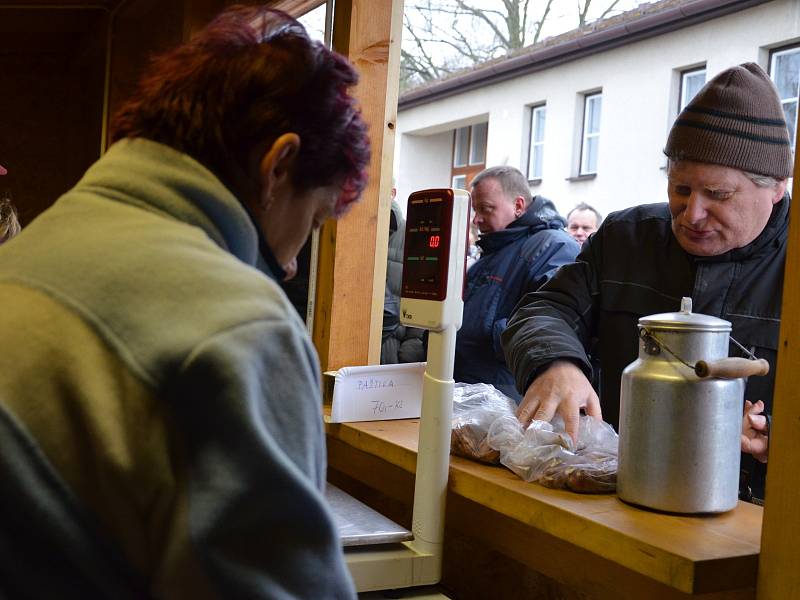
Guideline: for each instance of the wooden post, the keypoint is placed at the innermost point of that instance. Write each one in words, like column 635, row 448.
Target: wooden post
column 778, row 569
column 352, row 259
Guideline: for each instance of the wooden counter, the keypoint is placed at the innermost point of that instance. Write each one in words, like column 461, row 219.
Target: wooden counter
column 506, row 534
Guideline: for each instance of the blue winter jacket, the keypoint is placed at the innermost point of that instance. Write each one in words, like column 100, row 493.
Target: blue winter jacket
column 514, row 261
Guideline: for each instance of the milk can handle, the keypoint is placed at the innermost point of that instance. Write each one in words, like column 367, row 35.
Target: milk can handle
column 731, row 368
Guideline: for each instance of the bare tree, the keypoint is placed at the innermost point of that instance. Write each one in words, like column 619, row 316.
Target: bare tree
column 442, row 36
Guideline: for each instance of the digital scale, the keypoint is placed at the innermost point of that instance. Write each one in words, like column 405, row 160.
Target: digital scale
column 382, row 555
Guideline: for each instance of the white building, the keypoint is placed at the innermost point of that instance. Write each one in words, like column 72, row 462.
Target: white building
column 586, row 115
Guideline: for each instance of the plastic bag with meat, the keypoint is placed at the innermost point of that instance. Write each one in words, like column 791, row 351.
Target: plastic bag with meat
column 546, row 454
column 475, row 407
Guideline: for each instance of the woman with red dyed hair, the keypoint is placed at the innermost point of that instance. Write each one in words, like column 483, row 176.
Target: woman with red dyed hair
column 160, row 416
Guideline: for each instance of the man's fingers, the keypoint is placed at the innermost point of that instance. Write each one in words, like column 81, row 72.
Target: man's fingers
column 592, row 407
column 758, row 422
column 546, row 410
column 527, row 409
column 571, row 422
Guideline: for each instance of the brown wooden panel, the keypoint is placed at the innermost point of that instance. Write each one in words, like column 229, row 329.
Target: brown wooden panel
column 779, row 573
column 197, row 14
column 352, row 260
column 490, row 555
column 140, row 29
column 52, row 68
column 687, row 553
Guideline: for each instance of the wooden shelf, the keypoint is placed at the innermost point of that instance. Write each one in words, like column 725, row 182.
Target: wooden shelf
column 713, row 554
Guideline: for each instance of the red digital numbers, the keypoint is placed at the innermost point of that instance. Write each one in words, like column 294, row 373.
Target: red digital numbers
column 433, row 241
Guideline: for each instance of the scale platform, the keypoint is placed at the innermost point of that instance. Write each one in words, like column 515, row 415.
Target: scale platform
column 378, row 551
column 359, row 525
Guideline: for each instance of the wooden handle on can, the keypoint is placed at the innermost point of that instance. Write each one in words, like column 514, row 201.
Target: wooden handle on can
column 731, row 368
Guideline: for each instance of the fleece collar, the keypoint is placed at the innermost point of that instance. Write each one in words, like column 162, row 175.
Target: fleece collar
column 156, row 177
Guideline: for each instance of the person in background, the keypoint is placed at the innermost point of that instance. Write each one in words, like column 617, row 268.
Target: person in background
column 473, row 250
column 721, row 239
column 582, row 221
column 9, row 223
column 160, row 417
column 520, row 250
column 399, row 343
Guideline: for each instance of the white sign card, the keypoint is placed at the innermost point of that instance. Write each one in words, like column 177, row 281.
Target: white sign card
column 377, row 392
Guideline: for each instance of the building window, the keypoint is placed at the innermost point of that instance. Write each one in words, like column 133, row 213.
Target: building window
column 592, row 108
column 469, row 154
column 477, row 144
column 785, row 73
column 460, row 146
column 691, row 82
column 536, row 153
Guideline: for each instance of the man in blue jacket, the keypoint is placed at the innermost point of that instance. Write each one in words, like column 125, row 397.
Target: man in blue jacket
column 523, row 244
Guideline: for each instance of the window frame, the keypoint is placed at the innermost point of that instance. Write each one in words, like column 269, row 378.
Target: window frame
column 456, row 132
column 469, row 169
column 471, row 147
column 773, row 54
column 587, row 100
column 532, row 143
column 682, row 100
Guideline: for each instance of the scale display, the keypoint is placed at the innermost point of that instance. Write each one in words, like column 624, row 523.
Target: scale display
column 427, row 245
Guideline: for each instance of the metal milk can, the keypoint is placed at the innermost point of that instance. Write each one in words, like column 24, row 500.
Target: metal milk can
column 681, row 408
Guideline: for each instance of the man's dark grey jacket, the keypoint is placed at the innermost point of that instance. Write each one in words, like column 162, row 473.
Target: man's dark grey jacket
column 632, row 267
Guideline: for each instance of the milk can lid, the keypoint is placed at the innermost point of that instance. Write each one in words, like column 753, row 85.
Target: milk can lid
column 685, row 320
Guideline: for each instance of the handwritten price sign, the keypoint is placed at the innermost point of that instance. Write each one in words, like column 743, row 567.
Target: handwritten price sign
column 377, row 392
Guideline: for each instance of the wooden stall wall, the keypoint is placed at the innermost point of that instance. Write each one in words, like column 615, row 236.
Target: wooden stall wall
column 52, row 65
column 65, row 68
column 139, row 29
column 778, row 571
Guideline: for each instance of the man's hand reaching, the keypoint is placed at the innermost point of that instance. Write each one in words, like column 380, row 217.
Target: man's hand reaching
column 755, row 431
column 562, row 388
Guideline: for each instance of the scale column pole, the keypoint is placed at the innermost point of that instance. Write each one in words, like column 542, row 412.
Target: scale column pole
column 433, row 455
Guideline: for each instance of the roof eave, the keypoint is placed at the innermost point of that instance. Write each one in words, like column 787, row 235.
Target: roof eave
column 647, row 26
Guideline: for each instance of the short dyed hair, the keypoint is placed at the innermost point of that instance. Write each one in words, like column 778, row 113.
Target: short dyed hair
column 584, row 206
column 9, row 223
column 510, row 179
column 248, row 77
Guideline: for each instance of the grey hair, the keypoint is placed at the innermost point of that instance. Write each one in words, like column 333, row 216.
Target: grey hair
column 762, row 181
column 511, row 179
column 584, row 206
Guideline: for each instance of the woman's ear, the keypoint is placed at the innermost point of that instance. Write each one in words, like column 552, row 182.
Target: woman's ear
column 276, row 165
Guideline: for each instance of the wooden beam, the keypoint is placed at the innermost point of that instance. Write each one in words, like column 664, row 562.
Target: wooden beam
column 352, row 260
column 778, row 571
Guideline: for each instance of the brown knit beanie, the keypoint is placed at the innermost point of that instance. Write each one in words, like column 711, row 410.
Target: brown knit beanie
column 735, row 120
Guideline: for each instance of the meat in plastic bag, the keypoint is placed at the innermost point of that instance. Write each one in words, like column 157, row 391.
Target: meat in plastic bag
column 475, row 407
column 544, row 453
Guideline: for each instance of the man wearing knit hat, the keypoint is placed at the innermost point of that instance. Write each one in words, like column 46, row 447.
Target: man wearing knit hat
column 721, row 239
